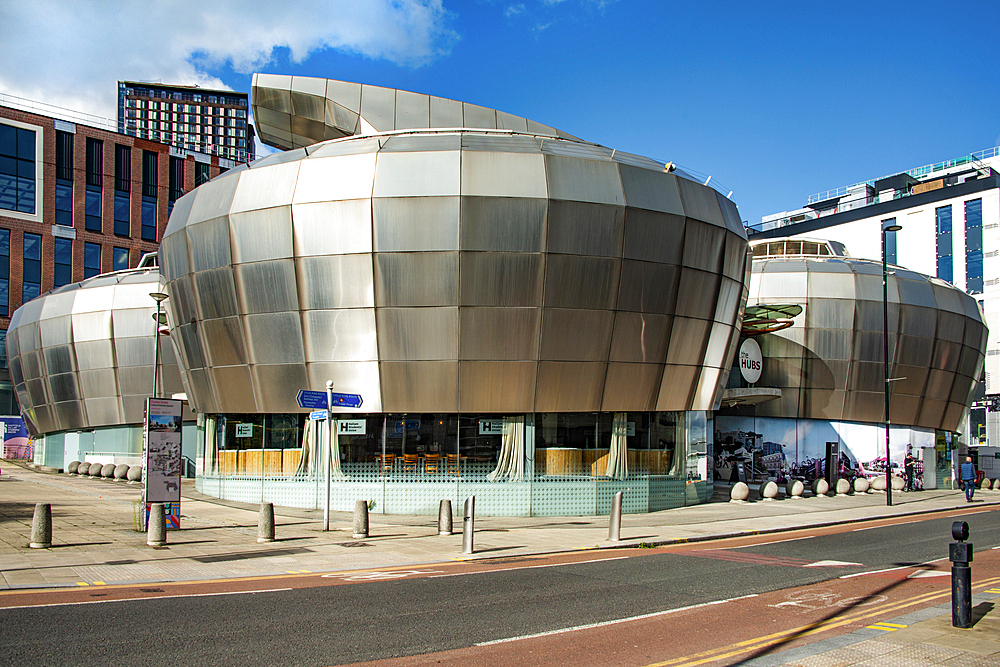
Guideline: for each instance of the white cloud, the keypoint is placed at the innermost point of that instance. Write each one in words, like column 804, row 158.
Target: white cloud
column 71, row 52
column 513, row 10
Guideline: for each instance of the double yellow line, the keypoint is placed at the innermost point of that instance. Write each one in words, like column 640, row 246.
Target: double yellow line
column 766, row 641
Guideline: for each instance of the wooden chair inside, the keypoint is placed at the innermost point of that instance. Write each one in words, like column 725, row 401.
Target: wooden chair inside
column 410, row 463
column 431, row 463
column 451, row 464
column 385, row 462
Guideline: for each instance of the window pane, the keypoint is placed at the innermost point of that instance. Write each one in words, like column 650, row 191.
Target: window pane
column 32, row 246
column 64, row 203
column 120, row 259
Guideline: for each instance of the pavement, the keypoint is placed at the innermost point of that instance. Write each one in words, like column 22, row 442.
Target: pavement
column 95, row 543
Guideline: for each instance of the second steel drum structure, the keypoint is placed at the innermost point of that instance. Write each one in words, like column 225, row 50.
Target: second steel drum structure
column 478, row 286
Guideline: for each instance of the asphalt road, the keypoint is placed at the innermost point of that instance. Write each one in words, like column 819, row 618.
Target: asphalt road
column 355, row 617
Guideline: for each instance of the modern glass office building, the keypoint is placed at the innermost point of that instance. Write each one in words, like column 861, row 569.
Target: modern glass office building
column 530, row 318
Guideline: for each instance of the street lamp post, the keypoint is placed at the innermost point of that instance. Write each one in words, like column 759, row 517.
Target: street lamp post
column 158, row 297
column 893, row 227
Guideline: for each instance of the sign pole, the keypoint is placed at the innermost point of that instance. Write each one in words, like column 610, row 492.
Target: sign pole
column 329, row 451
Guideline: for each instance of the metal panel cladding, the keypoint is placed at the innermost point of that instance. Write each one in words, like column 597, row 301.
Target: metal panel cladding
column 81, row 356
column 450, row 270
column 830, row 363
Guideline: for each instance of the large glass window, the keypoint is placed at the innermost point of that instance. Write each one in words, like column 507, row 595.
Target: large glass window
column 17, row 169
column 64, row 178
column 120, row 259
column 95, row 183
column 31, row 283
column 944, row 247
column 974, row 246
column 4, row 272
column 123, row 188
column 175, row 185
column 890, row 242
column 150, row 181
column 63, row 262
column 200, row 173
column 91, row 259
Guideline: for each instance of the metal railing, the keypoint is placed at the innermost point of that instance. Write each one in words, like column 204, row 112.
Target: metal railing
column 53, row 111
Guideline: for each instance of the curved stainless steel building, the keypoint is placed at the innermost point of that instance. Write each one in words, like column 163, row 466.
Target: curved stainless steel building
column 81, row 359
column 829, row 366
column 460, row 272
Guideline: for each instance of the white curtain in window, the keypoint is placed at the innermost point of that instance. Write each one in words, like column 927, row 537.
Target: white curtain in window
column 335, row 471
column 211, row 446
column 511, row 463
column 617, row 459
column 306, row 458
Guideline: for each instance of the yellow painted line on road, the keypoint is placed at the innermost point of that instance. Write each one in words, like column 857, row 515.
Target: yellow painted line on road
column 888, row 627
column 100, row 583
column 82, row 583
column 766, row 641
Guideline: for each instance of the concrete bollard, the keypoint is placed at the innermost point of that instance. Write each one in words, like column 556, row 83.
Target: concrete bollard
column 156, row 534
column 843, row 487
column 739, row 493
column 444, row 518
column 995, row 484
column 615, row 520
column 820, row 487
column 469, row 525
column 361, row 518
column 108, row 470
column 768, row 491
column 121, row 470
column 41, row 527
column 898, row 483
column 861, row 485
column 265, row 523
column 95, row 469
column 795, row 488
column 72, row 467
column 878, row 484
column 134, row 474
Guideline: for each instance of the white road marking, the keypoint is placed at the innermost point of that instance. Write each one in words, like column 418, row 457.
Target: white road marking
column 614, row 622
column 526, row 567
column 760, row 544
column 153, row 597
column 887, row 525
column 920, row 574
column 830, row 563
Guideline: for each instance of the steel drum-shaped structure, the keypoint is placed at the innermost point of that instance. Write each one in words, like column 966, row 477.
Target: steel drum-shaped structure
column 455, row 271
column 830, row 365
column 81, row 356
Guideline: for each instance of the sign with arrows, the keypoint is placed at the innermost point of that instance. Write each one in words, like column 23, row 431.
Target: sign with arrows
column 316, row 400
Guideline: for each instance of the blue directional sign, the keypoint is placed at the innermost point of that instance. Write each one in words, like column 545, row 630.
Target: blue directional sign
column 347, row 400
column 318, row 415
column 316, row 400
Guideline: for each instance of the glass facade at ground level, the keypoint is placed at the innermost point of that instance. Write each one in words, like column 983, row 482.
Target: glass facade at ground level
column 524, row 464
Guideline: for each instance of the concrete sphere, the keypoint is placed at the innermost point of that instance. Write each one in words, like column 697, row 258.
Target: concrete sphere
column 95, row 469
column 795, row 488
column 121, row 470
column 878, row 483
column 897, row 483
column 861, row 485
column 108, row 470
column 134, row 473
column 820, row 487
column 72, row 467
column 768, row 490
column 843, row 487
column 740, row 491
column 995, row 484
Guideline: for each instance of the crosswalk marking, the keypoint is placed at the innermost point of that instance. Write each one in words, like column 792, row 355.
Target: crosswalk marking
column 888, row 627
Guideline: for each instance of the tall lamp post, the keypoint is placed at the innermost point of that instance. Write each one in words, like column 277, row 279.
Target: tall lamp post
column 159, row 298
column 892, row 227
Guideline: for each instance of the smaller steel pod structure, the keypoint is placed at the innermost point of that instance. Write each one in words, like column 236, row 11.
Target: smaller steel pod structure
column 81, row 356
column 830, row 365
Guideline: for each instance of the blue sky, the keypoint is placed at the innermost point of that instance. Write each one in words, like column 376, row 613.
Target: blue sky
column 775, row 103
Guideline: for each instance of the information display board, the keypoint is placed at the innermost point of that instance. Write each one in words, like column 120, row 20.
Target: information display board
column 161, row 459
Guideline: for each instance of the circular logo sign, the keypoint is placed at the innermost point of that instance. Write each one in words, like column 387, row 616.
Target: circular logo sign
column 750, row 360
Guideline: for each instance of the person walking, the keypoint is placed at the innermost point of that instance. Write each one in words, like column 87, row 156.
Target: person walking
column 908, row 468
column 968, row 475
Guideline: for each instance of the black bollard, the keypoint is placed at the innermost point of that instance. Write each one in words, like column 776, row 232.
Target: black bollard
column 960, row 555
